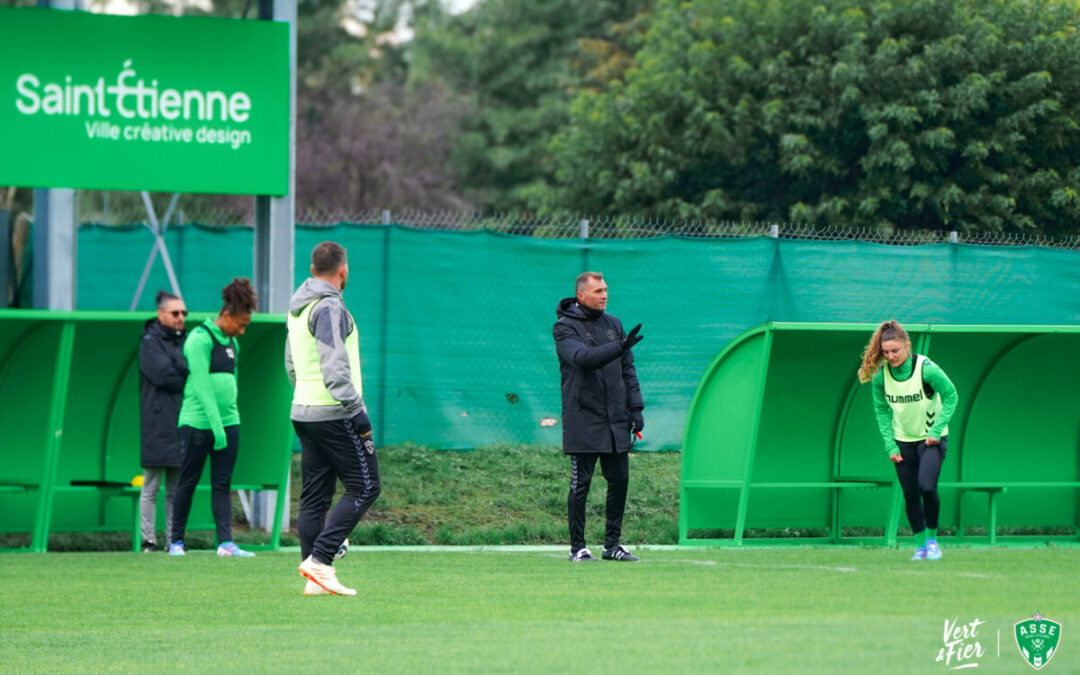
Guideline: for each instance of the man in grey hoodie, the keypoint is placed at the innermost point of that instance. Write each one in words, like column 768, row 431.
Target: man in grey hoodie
column 322, row 358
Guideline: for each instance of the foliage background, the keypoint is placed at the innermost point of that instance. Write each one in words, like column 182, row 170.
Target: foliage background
column 890, row 115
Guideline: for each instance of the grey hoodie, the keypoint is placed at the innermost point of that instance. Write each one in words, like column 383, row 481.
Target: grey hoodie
column 329, row 322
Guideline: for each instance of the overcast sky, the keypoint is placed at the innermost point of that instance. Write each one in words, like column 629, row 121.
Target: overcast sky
column 127, row 7
column 460, row 5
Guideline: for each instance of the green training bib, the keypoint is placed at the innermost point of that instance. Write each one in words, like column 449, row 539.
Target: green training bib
column 914, row 413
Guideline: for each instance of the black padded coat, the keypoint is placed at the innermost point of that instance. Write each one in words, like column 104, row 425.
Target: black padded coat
column 162, row 373
column 599, row 382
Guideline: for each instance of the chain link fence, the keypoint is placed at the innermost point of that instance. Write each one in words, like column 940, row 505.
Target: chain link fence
column 573, row 226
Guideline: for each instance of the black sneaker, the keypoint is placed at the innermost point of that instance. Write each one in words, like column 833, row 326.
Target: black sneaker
column 582, row 555
column 149, row 547
column 618, row 552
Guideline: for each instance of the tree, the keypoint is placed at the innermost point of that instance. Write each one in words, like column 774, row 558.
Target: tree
column 941, row 114
column 385, row 149
column 365, row 138
column 516, row 64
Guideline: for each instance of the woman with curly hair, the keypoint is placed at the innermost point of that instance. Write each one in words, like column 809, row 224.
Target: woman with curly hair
column 913, row 401
column 209, row 420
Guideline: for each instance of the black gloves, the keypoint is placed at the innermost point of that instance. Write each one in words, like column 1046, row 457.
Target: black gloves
column 632, row 338
column 362, row 423
column 637, row 422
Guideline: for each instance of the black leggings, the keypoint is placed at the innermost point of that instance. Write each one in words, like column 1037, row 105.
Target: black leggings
column 918, row 475
column 195, row 446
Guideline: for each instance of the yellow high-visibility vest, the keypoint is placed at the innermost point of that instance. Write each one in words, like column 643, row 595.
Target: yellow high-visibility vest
column 913, row 413
column 310, row 388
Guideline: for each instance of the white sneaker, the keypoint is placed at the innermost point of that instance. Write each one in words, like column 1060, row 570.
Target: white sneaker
column 324, row 576
column 312, row 588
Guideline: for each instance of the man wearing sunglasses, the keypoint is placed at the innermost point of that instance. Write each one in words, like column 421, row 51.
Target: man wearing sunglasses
column 162, row 373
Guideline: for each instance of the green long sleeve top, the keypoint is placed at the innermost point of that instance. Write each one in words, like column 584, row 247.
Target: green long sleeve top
column 932, row 374
column 209, row 398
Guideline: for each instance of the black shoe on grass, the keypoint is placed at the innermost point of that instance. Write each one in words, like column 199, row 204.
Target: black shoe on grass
column 618, row 552
column 582, row 555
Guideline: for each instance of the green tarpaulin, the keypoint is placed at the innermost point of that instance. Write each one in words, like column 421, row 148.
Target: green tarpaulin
column 455, row 327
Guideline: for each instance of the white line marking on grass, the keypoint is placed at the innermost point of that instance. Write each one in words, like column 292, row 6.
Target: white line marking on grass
column 796, row 567
column 921, row 572
column 748, row 565
column 686, row 562
column 766, row 566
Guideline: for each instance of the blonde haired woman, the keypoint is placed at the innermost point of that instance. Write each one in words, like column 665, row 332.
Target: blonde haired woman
column 913, row 401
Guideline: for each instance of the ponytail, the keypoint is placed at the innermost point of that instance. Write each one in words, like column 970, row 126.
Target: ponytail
column 872, row 356
column 239, row 297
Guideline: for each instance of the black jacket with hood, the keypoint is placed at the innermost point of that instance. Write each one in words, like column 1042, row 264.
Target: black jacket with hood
column 599, row 382
column 163, row 370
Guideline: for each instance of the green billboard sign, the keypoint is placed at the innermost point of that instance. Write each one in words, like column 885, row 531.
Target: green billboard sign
column 190, row 104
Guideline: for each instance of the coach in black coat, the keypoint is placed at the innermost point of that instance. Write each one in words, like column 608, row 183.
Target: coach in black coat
column 163, row 371
column 601, row 407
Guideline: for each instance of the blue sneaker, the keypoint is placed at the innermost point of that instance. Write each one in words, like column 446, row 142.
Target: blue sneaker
column 920, row 554
column 231, row 550
column 933, row 551
column 177, row 548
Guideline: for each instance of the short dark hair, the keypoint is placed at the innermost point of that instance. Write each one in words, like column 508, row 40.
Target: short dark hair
column 583, row 280
column 327, row 257
column 164, row 297
column 239, row 297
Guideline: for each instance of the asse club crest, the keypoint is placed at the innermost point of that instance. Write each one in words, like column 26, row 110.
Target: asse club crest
column 1037, row 638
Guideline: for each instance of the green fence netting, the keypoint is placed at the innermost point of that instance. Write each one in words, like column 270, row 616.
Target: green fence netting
column 456, row 326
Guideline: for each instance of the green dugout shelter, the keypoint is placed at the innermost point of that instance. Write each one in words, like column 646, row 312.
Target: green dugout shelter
column 782, row 436
column 69, row 415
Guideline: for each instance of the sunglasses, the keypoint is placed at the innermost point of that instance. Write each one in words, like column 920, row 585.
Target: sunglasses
column 179, row 312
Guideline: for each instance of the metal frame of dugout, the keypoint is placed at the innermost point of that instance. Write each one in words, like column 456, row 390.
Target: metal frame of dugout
column 69, row 411
column 782, row 437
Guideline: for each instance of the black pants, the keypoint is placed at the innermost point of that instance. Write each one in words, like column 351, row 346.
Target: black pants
column 918, row 475
column 616, row 470
column 195, row 446
column 333, row 450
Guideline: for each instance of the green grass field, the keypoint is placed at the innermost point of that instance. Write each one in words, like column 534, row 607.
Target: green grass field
column 789, row 610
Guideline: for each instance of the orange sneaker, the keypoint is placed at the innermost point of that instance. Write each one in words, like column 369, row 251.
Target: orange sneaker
column 324, row 576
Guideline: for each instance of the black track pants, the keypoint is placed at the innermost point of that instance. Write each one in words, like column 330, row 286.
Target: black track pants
column 616, row 469
column 918, row 475
column 195, row 446
column 333, row 450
